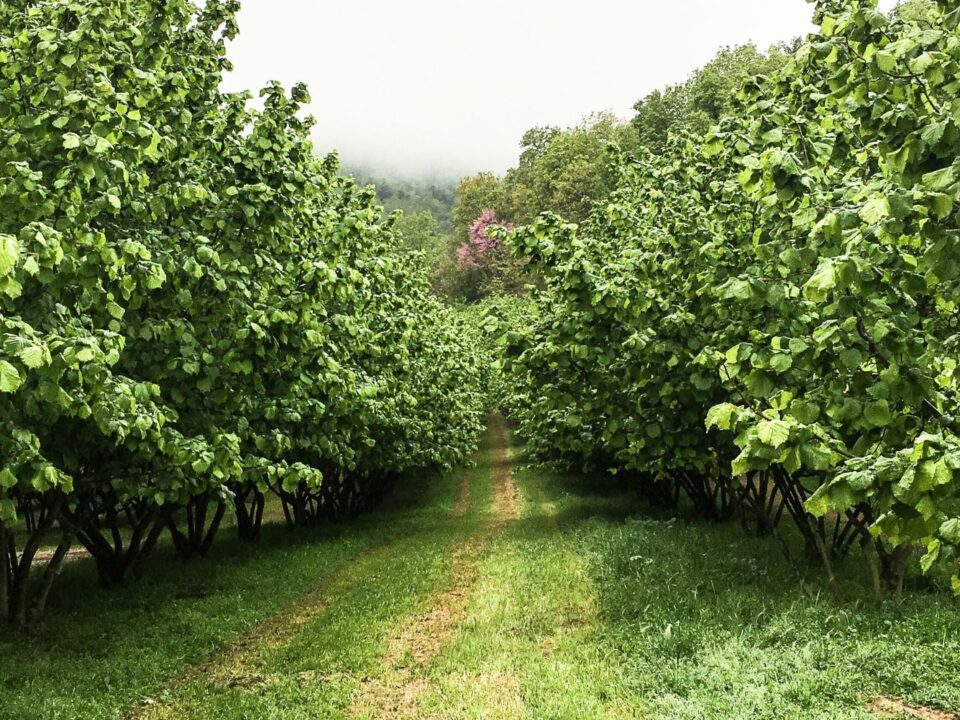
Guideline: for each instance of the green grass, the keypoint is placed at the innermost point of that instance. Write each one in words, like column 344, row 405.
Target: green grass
column 528, row 647
column 100, row 652
column 316, row 673
column 588, row 605
column 708, row 623
column 592, row 606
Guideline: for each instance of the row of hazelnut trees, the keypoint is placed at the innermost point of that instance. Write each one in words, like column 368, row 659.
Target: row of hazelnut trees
column 768, row 319
column 194, row 309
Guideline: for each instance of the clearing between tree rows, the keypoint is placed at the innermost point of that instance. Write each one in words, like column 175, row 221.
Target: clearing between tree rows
column 496, row 592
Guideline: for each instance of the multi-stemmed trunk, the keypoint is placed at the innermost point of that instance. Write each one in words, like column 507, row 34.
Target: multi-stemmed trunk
column 197, row 536
column 248, row 504
column 22, row 599
column 100, row 523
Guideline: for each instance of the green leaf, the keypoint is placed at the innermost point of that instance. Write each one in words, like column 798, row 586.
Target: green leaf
column 33, row 356
column 950, row 531
column 101, row 146
column 886, row 61
column 815, row 457
column 9, row 254
column 720, row 416
column 851, row 358
column 823, row 280
column 819, row 503
column 877, row 413
column 875, row 210
column 9, row 377
column 773, row 432
column 805, row 412
column 733, row 354
column 71, row 141
column 7, row 479
column 933, row 552
column 942, row 206
column 940, row 179
column 933, row 133
column 781, row 362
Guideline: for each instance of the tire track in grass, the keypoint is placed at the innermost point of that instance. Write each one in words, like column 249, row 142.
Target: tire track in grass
column 234, row 665
column 889, row 709
column 529, row 645
column 461, row 499
column 396, row 692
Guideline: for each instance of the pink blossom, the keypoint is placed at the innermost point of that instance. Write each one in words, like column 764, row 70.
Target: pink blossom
column 472, row 253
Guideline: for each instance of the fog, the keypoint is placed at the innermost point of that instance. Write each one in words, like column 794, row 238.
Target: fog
column 442, row 87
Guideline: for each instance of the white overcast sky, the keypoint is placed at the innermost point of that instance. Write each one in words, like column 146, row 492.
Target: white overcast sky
column 447, row 86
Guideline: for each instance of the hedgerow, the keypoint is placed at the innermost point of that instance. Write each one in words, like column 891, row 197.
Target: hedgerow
column 195, row 309
column 766, row 319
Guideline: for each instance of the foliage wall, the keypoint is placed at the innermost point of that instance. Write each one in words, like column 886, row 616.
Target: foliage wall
column 766, row 319
column 194, row 308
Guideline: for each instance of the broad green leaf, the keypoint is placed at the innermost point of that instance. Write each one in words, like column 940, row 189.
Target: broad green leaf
column 823, row 280
column 940, row 179
column 931, row 556
column 877, row 413
column 9, row 377
column 875, row 210
column 33, row 356
column 720, row 416
column 950, row 531
column 7, row 479
column 9, row 254
column 773, row 432
column 887, row 62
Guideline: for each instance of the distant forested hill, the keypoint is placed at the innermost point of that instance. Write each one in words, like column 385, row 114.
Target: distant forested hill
column 412, row 195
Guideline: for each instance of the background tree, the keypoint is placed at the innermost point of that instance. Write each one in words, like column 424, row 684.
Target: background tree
column 706, row 96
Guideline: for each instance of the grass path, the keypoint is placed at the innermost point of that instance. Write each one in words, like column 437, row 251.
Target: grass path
column 495, row 593
column 396, row 691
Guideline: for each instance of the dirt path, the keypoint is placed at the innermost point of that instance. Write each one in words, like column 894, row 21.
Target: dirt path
column 235, row 666
column 889, row 709
column 395, row 693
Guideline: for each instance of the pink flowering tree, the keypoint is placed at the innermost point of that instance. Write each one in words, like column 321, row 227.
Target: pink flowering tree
column 481, row 251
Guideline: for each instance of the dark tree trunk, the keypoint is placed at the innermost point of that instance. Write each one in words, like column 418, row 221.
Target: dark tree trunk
column 197, row 537
column 336, row 498
column 248, row 503
column 794, row 495
column 761, row 508
column 893, row 567
column 660, row 492
column 6, row 575
column 39, row 516
column 302, row 506
column 98, row 522
column 50, row 574
column 712, row 499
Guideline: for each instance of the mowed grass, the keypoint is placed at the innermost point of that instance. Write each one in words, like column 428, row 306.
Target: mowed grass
column 316, row 672
column 587, row 605
column 530, row 644
column 101, row 652
column 706, row 622
column 594, row 606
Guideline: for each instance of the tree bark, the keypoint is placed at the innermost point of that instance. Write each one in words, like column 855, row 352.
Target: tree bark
column 4, row 576
column 49, row 575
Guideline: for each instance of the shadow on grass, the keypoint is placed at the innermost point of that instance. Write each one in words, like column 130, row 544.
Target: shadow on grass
column 714, row 623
